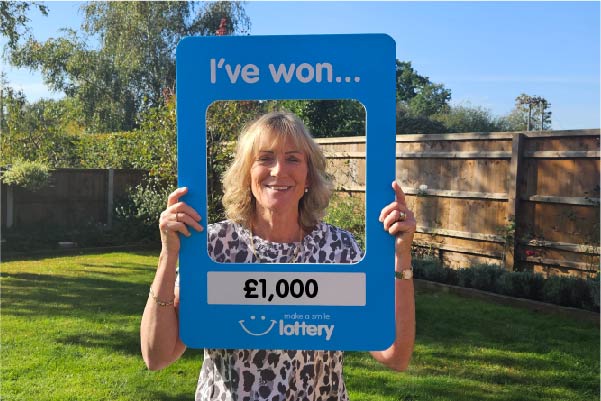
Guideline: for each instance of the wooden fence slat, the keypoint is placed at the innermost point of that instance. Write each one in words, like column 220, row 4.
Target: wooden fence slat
column 460, row 249
column 443, row 193
column 565, row 200
column 501, row 154
column 468, row 136
column 571, row 133
column 488, row 136
column 461, row 234
column 563, row 154
column 564, row 246
column 344, row 155
column 563, row 263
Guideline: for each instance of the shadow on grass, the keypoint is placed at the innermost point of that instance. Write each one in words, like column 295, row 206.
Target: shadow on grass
column 30, row 294
column 466, row 350
column 473, row 350
column 95, row 299
column 50, row 254
column 118, row 341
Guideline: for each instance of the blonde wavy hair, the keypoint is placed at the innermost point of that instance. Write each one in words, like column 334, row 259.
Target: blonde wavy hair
column 238, row 200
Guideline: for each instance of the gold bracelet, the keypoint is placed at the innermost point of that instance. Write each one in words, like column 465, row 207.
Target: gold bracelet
column 158, row 301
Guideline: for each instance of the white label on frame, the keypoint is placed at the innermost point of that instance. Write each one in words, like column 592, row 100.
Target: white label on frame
column 285, row 288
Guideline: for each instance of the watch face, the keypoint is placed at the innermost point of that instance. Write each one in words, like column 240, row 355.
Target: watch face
column 405, row 274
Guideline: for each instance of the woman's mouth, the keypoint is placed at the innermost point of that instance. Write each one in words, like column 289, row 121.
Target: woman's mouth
column 278, row 187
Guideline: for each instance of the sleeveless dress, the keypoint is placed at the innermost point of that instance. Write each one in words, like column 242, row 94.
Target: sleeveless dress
column 275, row 375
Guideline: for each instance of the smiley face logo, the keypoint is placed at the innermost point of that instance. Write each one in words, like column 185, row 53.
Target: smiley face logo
column 256, row 331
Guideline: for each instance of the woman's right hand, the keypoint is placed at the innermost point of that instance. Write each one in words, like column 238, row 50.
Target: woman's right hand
column 176, row 219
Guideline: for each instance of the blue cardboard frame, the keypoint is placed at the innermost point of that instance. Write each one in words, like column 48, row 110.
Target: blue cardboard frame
column 360, row 67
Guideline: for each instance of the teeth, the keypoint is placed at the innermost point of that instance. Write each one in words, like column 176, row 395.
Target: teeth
column 279, row 188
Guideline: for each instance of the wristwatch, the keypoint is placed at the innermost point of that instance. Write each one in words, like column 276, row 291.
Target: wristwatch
column 406, row 274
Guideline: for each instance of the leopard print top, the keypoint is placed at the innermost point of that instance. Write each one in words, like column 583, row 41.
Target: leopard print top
column 275, row 375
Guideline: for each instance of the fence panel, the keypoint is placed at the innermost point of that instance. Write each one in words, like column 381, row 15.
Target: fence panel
column 514, row 199
column 74, row 197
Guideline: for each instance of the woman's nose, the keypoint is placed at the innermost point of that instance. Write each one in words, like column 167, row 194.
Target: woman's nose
column 278, row 168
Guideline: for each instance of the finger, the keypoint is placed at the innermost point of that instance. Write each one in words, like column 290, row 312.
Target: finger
column 392, row 218
column 183, row 208
column 398, row 193
column 176, row 227
column 394, row 206
column 402, row 227
column 189, row 221
column 407, row 225
column 386, row 210
column 182, row 228
column 174, row 196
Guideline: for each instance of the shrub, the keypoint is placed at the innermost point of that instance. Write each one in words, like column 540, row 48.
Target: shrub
column 485, row 276
column 137, row 216
column 465, row 278
column 348, row 213
column 521, row 285
column 564, row 291
column 430, row 269
column 31, row 175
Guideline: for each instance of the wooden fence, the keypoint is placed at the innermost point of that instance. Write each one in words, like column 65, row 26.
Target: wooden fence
column 523, row 199
column 73, row 197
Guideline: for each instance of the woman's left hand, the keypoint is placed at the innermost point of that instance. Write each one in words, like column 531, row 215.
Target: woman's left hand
column 399, row 221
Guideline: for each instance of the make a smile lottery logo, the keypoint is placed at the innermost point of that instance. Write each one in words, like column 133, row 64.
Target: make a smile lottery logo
column 262, row 326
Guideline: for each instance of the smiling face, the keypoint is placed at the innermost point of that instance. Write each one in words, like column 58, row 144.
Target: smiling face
column 278, row 175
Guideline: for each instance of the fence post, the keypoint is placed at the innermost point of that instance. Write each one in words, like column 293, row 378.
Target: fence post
column 10, row 206
column 515, row 175
column 110, row 196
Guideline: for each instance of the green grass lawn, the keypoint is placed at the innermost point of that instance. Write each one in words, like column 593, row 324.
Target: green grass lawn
column 70, row 331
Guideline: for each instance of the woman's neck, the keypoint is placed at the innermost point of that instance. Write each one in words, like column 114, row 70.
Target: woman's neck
column 276, row 227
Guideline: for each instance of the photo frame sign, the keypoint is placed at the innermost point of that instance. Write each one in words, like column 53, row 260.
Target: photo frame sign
column 288, row 305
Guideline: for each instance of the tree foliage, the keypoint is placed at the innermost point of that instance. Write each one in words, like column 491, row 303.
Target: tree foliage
column 225, row 121
column 466, row 118
column 418, row 99
column 31, row 175
column 529, row 114
column 418, row 95
column 43, row 130
column 327, row 118
column 135, row 63
column 14, row 20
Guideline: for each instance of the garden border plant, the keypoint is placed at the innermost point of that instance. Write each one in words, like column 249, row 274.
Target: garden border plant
column 558, row 290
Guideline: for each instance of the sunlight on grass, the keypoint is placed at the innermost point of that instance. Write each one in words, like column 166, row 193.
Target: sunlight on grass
column 70, row 331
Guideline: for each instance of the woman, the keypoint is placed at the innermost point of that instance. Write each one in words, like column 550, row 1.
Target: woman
column 276, row 192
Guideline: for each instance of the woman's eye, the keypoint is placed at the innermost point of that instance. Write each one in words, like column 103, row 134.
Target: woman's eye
column 293, row 159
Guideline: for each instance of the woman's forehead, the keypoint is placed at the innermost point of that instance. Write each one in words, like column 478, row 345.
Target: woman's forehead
column 272, row 140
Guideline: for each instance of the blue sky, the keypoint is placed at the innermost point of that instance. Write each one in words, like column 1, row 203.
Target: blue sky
column 486, row 53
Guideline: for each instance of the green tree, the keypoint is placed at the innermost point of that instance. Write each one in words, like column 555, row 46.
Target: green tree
column 418, row 94
column 418, row 99
column 326, row 118
column 529, row 114
column 135, row 63
column 43, row 130
column 466, row 118
column 409, row 123
column 14, row 20
column 225, row 121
